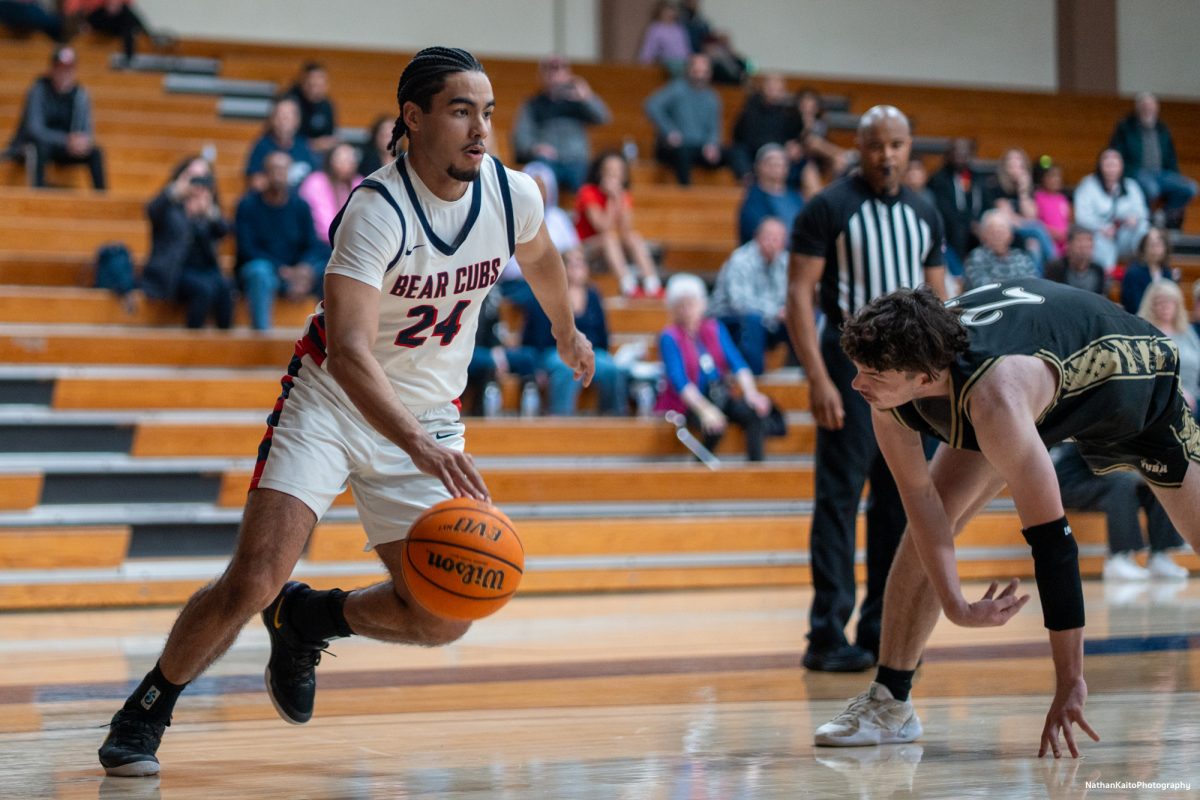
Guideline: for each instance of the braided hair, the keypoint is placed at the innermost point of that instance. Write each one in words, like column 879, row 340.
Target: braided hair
column 424, row 77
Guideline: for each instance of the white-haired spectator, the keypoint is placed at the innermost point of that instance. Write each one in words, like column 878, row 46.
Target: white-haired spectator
column 996, row 259
column 701, row 364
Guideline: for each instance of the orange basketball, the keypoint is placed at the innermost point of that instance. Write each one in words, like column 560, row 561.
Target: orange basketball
column 463, row 559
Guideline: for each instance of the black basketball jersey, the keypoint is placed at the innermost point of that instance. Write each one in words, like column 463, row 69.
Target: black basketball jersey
column 1117, row 372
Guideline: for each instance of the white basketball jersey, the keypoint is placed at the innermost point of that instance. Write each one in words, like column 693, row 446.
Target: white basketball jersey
column 434, row 261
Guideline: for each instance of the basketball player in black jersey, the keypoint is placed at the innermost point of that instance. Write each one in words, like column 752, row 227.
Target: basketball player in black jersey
column 998, row 374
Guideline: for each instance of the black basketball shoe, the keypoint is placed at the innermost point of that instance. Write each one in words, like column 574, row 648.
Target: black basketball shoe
column 291, row 674
column 129, row 749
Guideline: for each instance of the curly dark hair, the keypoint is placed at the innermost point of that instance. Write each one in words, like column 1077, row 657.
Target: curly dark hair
column 909, row 330
column 424, row 77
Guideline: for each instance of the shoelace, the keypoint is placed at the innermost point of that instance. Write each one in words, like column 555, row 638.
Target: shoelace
column 305, row 659
column 851, row 712
column 143, row 733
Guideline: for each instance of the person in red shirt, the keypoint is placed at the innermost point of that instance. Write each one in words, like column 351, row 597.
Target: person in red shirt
column 604, row 222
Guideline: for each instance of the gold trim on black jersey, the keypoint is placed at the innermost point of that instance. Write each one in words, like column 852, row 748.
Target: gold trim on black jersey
column 1117, row 357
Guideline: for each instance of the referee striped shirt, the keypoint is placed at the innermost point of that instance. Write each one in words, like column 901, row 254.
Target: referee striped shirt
column 872, row 244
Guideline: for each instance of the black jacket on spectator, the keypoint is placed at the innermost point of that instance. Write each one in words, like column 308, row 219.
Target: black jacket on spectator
column 316, row 119
column 178, row 241
column 958, row 208
column 764, row 123
column 1127, row 140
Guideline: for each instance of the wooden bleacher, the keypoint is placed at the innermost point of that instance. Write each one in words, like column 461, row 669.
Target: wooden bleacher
column 602, row 504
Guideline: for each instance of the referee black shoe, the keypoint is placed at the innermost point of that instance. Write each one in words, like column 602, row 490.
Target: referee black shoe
column 291, row 675
column 129, row 749
column 839, row 658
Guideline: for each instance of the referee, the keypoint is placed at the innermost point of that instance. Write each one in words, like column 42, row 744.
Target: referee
column 863, row 236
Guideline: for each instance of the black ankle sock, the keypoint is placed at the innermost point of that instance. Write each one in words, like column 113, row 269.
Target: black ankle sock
column 155, row 697
column 897, row 681
column 317, row 615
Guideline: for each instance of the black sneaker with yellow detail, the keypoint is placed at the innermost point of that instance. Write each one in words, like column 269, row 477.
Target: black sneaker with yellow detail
column 291, row 675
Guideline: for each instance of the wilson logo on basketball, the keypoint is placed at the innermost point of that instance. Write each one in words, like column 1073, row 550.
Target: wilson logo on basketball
column 478, row 527
column 470, row 574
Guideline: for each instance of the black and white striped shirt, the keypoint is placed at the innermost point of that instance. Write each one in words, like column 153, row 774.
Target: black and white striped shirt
column 872, row 244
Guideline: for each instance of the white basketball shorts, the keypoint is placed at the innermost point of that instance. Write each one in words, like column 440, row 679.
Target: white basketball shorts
column 316, row 444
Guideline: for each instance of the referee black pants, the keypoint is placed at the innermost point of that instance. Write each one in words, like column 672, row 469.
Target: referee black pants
column 845, row 459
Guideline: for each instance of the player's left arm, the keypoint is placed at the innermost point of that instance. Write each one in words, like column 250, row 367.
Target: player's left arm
column 1004, row 409
column 543, row 267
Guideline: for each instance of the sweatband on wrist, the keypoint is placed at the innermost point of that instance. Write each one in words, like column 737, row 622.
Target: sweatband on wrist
column 1056, row 568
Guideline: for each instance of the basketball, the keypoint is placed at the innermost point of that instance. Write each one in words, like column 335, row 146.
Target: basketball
column 463, row 559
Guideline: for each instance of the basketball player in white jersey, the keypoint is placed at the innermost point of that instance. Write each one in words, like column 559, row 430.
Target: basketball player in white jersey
column 370, row 399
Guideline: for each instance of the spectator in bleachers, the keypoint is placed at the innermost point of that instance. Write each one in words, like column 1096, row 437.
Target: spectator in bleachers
column 1076, row 268
column 1011, row 191
column 666, row 41
column 278, row 251
column 995, row 259
column 703, row 366
column 22, row 16
column 1148, row 149
column 959, row 197
column 56, row 123
column 1053, row 205
column 1113, row 208
column 728, row 65
column 318, row 118
column 916, row 177
column 1162, row 306
column 282, row 135
column 687, row 120
column 1120, row 495
column 768, row 117
column 327, row 190
column 1153, row 263
column 551, row 126
column 816, row 155
column 538, row 352
column 751, row 291
column 558, row 224
column 186, row 227
column 604, row 222
column 769, row 195
column 375, row 152
column 116, row 18
column 490, row 360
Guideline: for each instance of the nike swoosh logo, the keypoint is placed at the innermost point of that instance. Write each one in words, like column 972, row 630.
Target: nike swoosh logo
column 444, row 435
column 409, row 251
column 278, row 608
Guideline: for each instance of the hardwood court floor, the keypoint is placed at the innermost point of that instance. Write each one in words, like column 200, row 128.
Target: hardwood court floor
column 694, row 695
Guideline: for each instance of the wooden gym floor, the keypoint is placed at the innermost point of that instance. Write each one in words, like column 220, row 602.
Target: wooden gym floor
column 654, row 695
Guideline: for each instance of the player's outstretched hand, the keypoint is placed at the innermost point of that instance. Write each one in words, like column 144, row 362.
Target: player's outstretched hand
column 1066, row 710
column 993, row 610
column 456, row 470
column 576, row 353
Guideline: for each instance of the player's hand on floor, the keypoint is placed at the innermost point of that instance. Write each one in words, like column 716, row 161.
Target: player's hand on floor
column 456, row 470
column 576, row 353
column 1065, row 711
column 993, row 610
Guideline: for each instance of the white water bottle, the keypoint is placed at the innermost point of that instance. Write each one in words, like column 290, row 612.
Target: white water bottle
column 493, row 399
column 531, row 401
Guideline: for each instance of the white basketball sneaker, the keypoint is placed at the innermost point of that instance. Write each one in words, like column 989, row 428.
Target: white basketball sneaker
column 874, row 717
column 1161, row 565
column 1122, row 567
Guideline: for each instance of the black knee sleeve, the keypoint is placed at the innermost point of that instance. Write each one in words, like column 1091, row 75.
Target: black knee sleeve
column 1056, row 567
